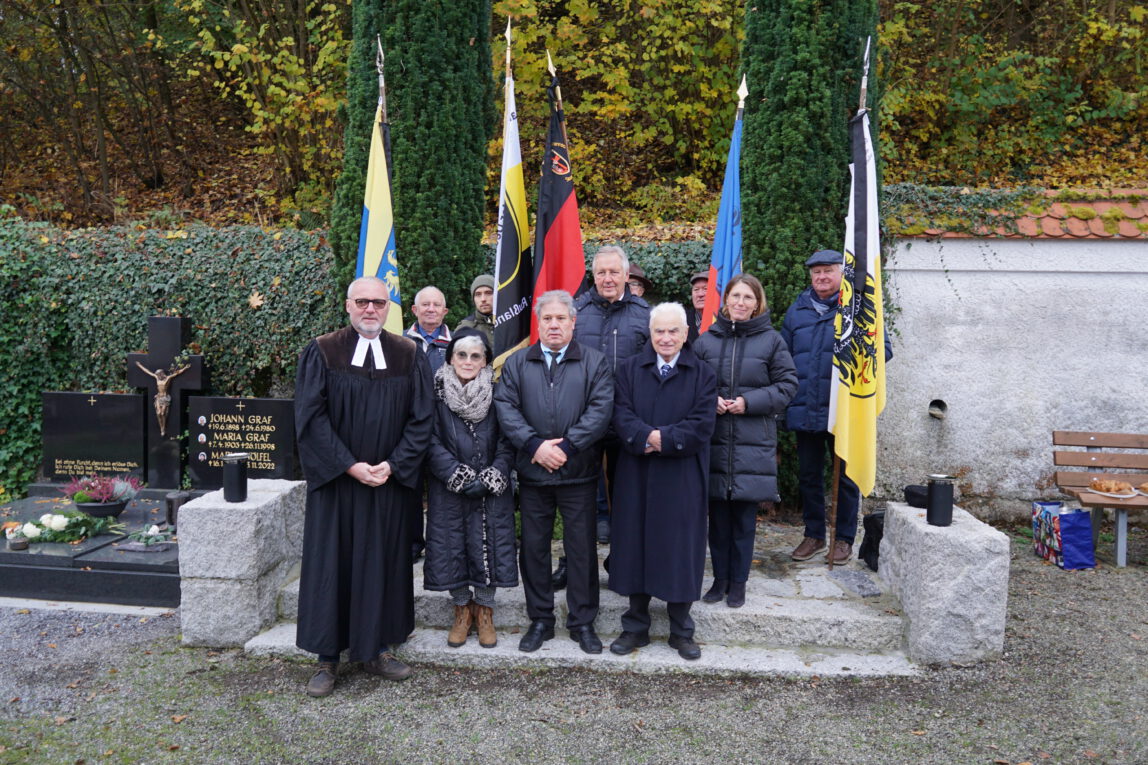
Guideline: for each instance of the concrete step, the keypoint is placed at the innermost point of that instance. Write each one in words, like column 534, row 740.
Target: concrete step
column 428, row 645
column 787, row 605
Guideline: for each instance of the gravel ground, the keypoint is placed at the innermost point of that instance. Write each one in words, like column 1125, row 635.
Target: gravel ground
column 1071, row 687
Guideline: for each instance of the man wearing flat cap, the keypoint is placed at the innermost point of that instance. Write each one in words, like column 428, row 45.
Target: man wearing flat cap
column 808, row 330
column 699, row 283
column 482, row 292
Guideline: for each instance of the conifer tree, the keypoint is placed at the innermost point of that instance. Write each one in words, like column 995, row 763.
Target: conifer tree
column 803, row 62
column 440, row 104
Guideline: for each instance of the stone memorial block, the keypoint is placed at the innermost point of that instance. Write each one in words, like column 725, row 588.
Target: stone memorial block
column 93, row 433
column 262, row 427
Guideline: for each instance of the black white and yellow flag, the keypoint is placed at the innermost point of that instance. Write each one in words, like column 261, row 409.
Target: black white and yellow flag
column 513, row 267
column 859, row 349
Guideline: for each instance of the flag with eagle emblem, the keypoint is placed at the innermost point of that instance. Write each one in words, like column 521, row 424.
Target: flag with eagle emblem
column 858, row 393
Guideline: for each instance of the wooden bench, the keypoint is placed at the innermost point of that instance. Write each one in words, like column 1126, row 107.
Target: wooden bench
column 1129, row 466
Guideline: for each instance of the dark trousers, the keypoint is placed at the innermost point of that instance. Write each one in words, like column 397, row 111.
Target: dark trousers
column 579, row 543
column 610, row 451
column 812, row 451
column 637, row 618
column 733, row 525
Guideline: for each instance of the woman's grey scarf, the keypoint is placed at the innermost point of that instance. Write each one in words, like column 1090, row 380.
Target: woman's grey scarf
column 470, row 402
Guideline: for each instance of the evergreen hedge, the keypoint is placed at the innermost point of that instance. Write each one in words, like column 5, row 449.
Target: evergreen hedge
column 803, row 65
column 441, row 106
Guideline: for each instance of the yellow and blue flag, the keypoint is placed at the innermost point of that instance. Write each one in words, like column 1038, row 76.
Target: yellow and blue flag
column 377, row 231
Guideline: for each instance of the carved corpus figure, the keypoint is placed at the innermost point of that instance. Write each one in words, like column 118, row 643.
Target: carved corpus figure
column 162, row 397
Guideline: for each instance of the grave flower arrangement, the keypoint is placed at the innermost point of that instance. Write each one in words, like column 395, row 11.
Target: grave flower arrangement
column 152, row 535
column 102, row 489
column 70, row 526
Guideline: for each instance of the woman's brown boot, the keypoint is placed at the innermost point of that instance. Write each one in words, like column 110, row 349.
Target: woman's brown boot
column 484, row 615
column 461, row 627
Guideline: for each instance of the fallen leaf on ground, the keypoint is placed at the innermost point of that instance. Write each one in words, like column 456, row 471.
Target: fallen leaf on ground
column 918, row 732
column 1090, row 754
column 24, row 611
column 178, row 718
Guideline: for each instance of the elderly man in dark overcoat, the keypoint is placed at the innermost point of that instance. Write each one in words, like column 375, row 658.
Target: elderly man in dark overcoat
column 664, row 416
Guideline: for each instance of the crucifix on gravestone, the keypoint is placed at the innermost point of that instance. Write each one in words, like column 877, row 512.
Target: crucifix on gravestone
column 167, row 336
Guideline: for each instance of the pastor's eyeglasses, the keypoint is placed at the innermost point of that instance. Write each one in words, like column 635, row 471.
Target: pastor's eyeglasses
column 475, row 356
column 362, row 303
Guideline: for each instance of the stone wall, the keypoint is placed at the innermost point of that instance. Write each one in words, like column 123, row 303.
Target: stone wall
column 234, row 557
column 1018, row 338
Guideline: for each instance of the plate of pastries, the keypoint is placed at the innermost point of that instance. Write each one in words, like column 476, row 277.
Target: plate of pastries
column 1108, row 487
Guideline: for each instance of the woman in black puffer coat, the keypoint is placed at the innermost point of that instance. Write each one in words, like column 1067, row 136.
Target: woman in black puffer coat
column 756, row 380
column 470, row 507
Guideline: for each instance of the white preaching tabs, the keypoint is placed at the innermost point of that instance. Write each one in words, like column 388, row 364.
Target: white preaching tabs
column 361, row 352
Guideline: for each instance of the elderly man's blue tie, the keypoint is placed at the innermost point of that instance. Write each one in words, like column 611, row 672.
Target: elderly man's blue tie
column 666, row 371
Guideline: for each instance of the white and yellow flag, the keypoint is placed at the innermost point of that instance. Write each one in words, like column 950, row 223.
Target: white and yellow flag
column 859, row 349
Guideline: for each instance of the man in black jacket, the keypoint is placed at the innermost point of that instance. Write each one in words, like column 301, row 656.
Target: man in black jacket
column 554, row 403
column 616, row 322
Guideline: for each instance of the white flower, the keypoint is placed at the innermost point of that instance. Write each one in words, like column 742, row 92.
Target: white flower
column 153, row 531
column 13, row 531
column 31, row 530
column 45, row 519
column 56, row 522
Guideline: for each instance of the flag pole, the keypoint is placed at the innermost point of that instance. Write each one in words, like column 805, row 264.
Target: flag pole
column 380, row 61
column 831, row 515
column 558, row 99
column 507, row 36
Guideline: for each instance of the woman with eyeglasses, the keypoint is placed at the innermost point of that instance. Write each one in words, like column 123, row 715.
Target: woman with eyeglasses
column 470, row 508
column 756, row 379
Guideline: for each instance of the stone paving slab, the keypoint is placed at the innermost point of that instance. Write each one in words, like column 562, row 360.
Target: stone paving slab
column 429, row 646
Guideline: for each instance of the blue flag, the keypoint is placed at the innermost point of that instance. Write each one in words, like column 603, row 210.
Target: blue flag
column 726, row 260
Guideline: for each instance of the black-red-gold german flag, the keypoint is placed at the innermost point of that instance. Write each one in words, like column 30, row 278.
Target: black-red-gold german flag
column 559, row 263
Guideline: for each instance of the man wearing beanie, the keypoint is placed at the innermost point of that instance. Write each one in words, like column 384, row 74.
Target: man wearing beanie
column 482, row 291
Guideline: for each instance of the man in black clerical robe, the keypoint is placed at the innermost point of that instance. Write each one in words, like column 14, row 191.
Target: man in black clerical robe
column 363, row 406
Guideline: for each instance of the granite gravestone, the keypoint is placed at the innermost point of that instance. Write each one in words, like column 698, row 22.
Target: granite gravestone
column 262, row 427
column 166, row 383
column 92, row 433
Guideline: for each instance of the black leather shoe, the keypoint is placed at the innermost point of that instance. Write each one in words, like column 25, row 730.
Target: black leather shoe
column 628, row 641
column 586, row 639
column 538, row 634
column 558, row 578
column 687, row 648
column 736, row 596
column 717, row 592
